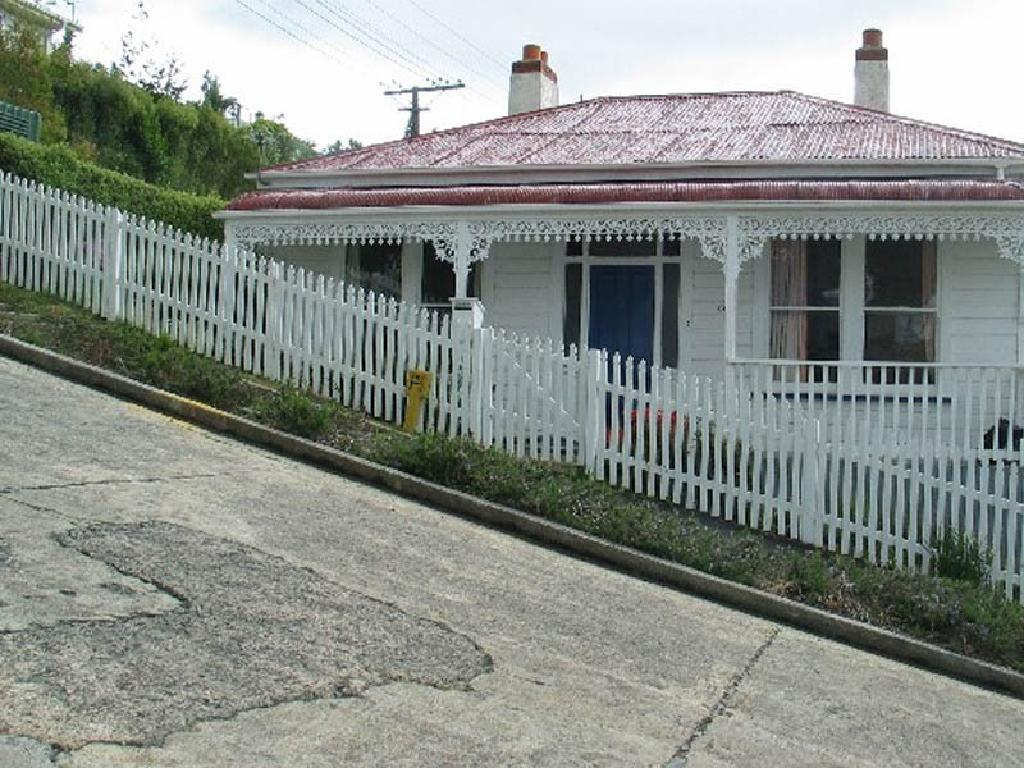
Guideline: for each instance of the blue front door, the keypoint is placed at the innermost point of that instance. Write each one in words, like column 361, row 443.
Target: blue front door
column 622, row 310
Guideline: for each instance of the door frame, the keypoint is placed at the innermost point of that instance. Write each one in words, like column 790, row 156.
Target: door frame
column 683, row 305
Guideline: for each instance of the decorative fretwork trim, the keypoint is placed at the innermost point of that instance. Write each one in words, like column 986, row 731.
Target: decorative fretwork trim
column 753, row 232
column 1006, row 230
column 327, row 232
column 445, row 235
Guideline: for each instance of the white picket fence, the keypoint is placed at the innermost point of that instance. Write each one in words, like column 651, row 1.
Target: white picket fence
column 867, row 459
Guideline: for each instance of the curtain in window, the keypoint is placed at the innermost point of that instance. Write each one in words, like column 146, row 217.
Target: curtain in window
column 789, row 289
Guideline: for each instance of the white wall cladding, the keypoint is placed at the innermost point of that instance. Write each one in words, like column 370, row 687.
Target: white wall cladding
column 520, row 291
column 979, row 305
column 707, row 313
column 521, row 288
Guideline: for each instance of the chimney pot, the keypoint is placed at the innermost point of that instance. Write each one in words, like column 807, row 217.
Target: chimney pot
column 531, row 52
column 872, row 38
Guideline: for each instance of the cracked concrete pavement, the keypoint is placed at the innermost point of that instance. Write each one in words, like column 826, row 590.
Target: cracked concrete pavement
column 248, row 631
column 590, row 667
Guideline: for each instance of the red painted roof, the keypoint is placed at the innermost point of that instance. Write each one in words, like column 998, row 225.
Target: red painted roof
column 686, row 128
column 937, row 190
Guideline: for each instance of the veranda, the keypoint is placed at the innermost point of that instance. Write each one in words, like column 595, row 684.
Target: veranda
column 948, row 384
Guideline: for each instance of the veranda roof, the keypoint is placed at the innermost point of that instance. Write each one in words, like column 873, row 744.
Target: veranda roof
column 935, row 190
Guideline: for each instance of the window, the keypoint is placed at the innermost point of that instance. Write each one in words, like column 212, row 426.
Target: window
column 804, row 301
column 375, row 267
column 617, row 249
column 438, row 285
column 890, row 302
column 573, row 302
column 671, row 277
column 899, row 301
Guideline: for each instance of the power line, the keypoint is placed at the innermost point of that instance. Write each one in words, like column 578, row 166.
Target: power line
column 368, row 29
column 288, row 27
column 368, row 41
column 438, row 47
column 365, row 29
column 370, row 37
column 320, row 45
column 288, row 32
column 455, row 32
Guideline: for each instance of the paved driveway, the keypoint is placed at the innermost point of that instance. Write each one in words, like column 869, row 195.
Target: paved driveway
column 170, row 597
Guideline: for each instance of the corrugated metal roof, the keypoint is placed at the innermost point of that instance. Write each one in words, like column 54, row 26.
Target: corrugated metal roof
column 936, row 190
column 685, row 128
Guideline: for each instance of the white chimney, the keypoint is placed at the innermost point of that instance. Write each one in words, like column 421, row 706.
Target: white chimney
column 871, row 73
column 534, row 85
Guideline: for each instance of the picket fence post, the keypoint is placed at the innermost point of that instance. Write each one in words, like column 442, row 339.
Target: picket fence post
column 112, row 252
column 477, row 383
column 275, row 320
column 590, row 425
column 811, row 480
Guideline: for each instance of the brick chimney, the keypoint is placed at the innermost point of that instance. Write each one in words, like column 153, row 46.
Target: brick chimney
column 871, row 73
column 534, row 85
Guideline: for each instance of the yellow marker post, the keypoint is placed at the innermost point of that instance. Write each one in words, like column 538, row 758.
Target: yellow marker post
column 417, row 390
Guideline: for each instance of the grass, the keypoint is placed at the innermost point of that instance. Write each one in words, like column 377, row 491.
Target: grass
column 958, row 556
column 954, row 607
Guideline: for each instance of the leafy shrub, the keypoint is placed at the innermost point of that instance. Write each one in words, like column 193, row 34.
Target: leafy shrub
column 169, row 366
column 58, row 166
column 809, row 574
column 291, row 410
column 959, row 556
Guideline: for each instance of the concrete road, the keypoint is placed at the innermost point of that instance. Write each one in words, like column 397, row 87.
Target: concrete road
column 170, row 597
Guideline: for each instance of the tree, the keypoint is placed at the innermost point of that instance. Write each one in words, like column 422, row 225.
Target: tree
column 278, row 144
column 342, row 146
column 212, row 96
column 143, row 131
column 161, row 78
column 26, row 79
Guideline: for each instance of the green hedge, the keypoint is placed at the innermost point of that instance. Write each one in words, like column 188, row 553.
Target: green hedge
column 58, row 166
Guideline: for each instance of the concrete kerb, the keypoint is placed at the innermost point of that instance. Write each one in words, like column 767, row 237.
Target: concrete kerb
column 542, row 531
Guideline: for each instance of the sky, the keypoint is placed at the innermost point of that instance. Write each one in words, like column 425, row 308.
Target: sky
column 323, row 64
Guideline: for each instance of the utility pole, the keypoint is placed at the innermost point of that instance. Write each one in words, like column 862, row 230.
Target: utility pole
column 414, row 109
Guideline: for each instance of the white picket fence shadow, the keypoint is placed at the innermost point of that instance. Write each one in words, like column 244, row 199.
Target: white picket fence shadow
column 873, row 460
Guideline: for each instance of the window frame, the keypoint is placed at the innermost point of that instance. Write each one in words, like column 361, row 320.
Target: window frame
column 852, row 306
column 835, row 309
column 898, row 309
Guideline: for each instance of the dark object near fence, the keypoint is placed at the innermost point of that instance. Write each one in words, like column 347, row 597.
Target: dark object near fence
column 23, row 122
column 999, row 435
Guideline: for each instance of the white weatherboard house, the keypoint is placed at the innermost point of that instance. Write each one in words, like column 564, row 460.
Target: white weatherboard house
column 708, row 232
column 815, row 310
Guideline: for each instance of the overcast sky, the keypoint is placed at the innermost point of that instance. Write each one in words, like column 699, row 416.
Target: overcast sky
column 952, row 61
